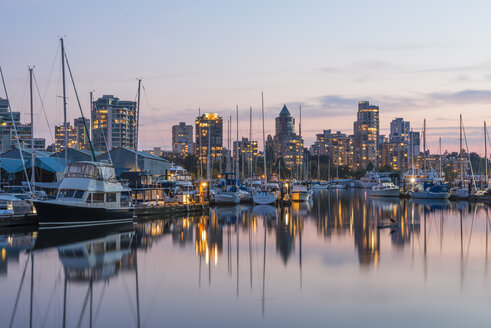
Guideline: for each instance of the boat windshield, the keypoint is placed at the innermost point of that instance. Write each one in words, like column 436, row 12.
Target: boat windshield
column 91, row 171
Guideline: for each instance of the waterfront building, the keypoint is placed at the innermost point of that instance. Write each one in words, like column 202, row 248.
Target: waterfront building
column 60, row 137
column 113, row 123
column 414, row 144
column 366, row 135
column 157, row 151
column 39, row 144
column 399, row 130
column 394, row 155
column 7, row 132
column 287, row 144
column 210, row 123
column 182, row 139
column 245, row 147
column 82, row 137
column 338, row 146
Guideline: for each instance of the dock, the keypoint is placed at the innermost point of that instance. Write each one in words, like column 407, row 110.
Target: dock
column 170, row 209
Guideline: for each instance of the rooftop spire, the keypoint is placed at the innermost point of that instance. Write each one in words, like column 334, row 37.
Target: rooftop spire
column 285, row 111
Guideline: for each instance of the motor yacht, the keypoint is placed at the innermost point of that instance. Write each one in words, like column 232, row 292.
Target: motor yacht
column 385, row 189
column 299, row 192
column 88, row 194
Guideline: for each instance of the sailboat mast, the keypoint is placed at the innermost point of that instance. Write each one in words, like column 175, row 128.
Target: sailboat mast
column 300, row 134
column 230, row 146
column 237, row 147
column 440, row 153
column 32, row 128
column 208, row 154
column 264, row 140
column 137, row 123
column 424, row 148
column 411, row 147
column 250, row 144
column 460, row 156
column 200, row 153
column 65, row 127
column 486, row 151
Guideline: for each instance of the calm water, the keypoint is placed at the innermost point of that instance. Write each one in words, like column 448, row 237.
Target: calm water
column 336, row 261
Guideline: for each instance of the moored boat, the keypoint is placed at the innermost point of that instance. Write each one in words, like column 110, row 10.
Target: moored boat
column 385, row 189
column 431, row 191
column 264, row 198
column 228, row 196
column 300, row 192
column 88, row 194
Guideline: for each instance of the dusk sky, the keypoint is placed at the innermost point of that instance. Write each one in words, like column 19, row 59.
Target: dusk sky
column 415, row 59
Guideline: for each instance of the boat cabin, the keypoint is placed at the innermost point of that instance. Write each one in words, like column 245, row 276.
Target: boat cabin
column 93, row 184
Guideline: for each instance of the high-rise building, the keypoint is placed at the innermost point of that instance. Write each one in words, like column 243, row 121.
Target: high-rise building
column 8, row 137
column 394, row 155
column 82, row 135
column 60, row 137
column 209, row 130
column 399, row 130
column 338, row 146
column 414, row 144
column 287, row 144
column 39, row 143
column 394, row 151
column 245, row 146
column 366, row 135
column 113, row 123
column 182, row 139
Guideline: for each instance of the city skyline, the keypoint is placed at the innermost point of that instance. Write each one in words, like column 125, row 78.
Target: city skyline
column 294, row 57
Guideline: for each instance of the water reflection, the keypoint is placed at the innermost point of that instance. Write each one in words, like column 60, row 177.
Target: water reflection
column 97, row 276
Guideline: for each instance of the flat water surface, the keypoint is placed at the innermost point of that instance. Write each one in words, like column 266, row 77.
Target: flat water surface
column 341, row 260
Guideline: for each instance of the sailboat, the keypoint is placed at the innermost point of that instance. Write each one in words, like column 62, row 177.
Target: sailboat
column 230, row 193
column 320, row 185
column 15, row 208
column 264, row 197
column 460, row 192
column 89, row 192
column 435, row 189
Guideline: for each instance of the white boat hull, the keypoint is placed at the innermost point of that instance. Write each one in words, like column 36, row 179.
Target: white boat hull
column 227, row 198
column 429, row 195
column 264, row 198
column 300, row 196
column 385, row 193
column 321, row 186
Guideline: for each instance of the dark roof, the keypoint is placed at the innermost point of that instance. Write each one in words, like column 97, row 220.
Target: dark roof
column 140, row 154
column 72, row 152
column 26, row 152
column 285, row 111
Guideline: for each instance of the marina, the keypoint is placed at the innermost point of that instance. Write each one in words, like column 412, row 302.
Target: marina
column 244, row 164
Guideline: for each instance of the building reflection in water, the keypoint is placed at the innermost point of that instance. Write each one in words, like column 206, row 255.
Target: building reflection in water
column 343, row 212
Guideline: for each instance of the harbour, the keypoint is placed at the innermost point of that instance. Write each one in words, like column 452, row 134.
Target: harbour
column 244, row 164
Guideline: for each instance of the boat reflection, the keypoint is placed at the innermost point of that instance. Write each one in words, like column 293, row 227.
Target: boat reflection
column 98, row 259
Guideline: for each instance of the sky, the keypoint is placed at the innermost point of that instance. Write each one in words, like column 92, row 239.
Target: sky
column 415, row 59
